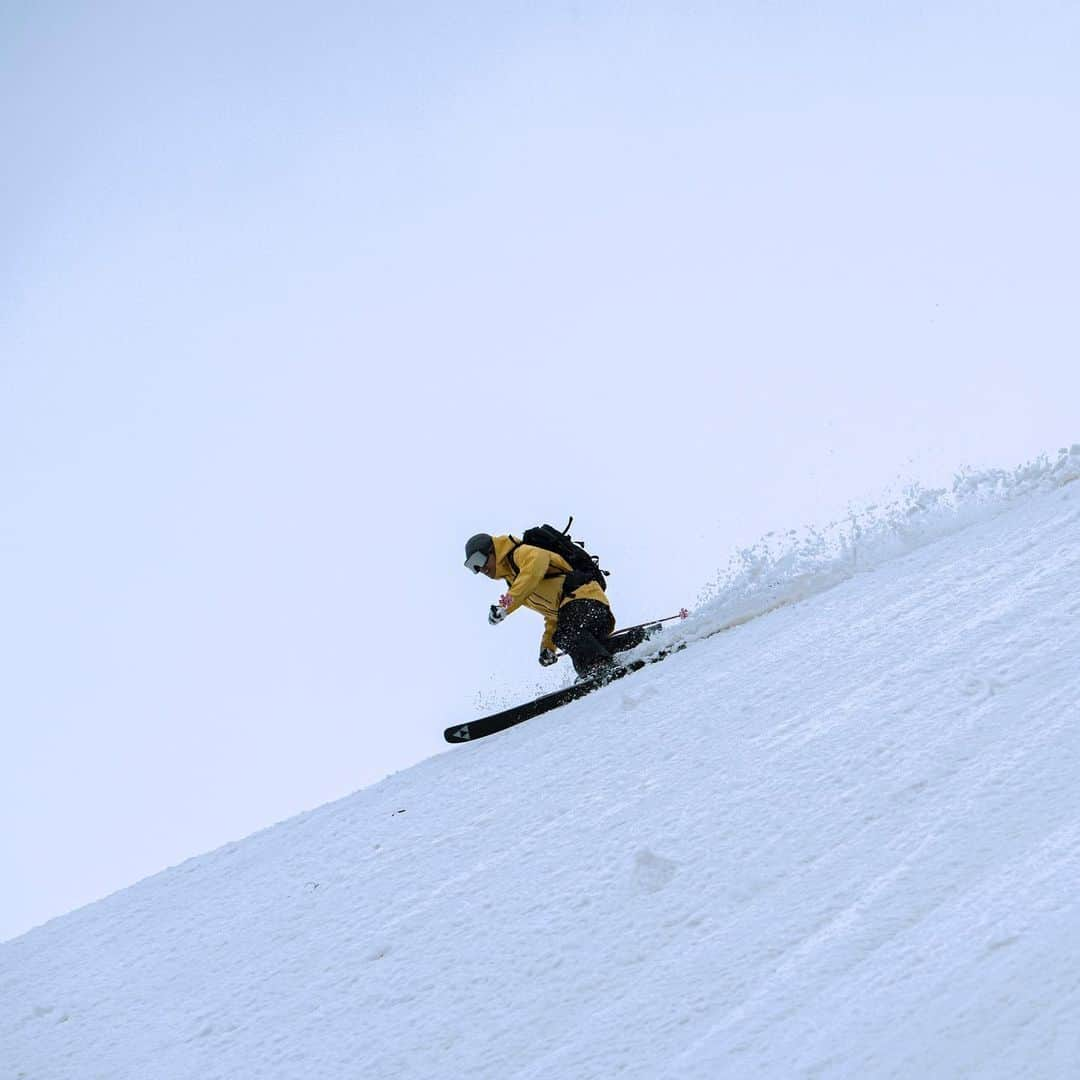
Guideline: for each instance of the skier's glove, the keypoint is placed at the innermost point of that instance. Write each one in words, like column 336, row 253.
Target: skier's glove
column 499, row 611
column 547, row 657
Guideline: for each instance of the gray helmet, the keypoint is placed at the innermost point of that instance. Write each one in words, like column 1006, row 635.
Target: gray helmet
column 477, row 550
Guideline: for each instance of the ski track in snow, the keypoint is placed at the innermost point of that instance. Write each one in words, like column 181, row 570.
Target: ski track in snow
column 840, row 840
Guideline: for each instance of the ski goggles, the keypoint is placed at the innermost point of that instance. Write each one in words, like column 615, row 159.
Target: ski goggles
column 475, row 562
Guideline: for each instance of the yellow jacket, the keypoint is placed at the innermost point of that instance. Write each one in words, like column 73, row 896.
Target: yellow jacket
column 537, row 583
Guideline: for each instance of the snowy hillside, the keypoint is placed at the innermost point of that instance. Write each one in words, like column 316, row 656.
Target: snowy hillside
column 839, row 839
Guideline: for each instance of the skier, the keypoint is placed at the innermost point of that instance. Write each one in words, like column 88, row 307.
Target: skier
column 577, row 615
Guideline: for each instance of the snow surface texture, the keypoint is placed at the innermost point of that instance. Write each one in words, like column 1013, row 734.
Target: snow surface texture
column 840, row 839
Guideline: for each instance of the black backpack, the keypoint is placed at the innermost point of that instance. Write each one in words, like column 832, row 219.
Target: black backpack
column 584, row 567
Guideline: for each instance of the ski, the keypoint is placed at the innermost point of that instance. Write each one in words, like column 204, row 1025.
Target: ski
column 489, row 725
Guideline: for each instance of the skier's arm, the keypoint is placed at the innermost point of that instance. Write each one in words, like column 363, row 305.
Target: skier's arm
column 548, row 640
column 532, row 563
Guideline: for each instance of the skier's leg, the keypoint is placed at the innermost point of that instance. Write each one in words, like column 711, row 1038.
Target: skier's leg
column 583, row 628
column 626, row 639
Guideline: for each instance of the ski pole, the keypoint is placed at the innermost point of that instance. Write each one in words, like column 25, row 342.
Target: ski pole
column 683, row 614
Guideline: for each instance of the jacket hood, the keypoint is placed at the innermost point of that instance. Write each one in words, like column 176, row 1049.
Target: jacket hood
column 503, row 546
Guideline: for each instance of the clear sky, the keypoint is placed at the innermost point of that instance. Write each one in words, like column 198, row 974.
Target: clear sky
column 294, row 299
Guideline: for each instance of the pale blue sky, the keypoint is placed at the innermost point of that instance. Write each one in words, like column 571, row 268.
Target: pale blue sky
column 295, row 299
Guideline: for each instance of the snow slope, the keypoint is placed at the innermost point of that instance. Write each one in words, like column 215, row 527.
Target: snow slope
column 840, row 839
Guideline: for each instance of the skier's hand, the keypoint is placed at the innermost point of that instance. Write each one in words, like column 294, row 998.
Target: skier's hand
column 499, row 611
column 547, row 657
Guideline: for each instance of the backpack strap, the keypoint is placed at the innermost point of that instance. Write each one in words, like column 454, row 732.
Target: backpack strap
column 510, row 556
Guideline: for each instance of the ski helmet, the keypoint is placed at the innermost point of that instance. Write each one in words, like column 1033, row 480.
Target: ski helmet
column 477, row 550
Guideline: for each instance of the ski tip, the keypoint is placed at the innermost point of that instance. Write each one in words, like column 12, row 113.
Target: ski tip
column 457, row 734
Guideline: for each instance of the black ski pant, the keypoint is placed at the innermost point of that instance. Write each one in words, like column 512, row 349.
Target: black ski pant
column 627, row 639
column 584, row 631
